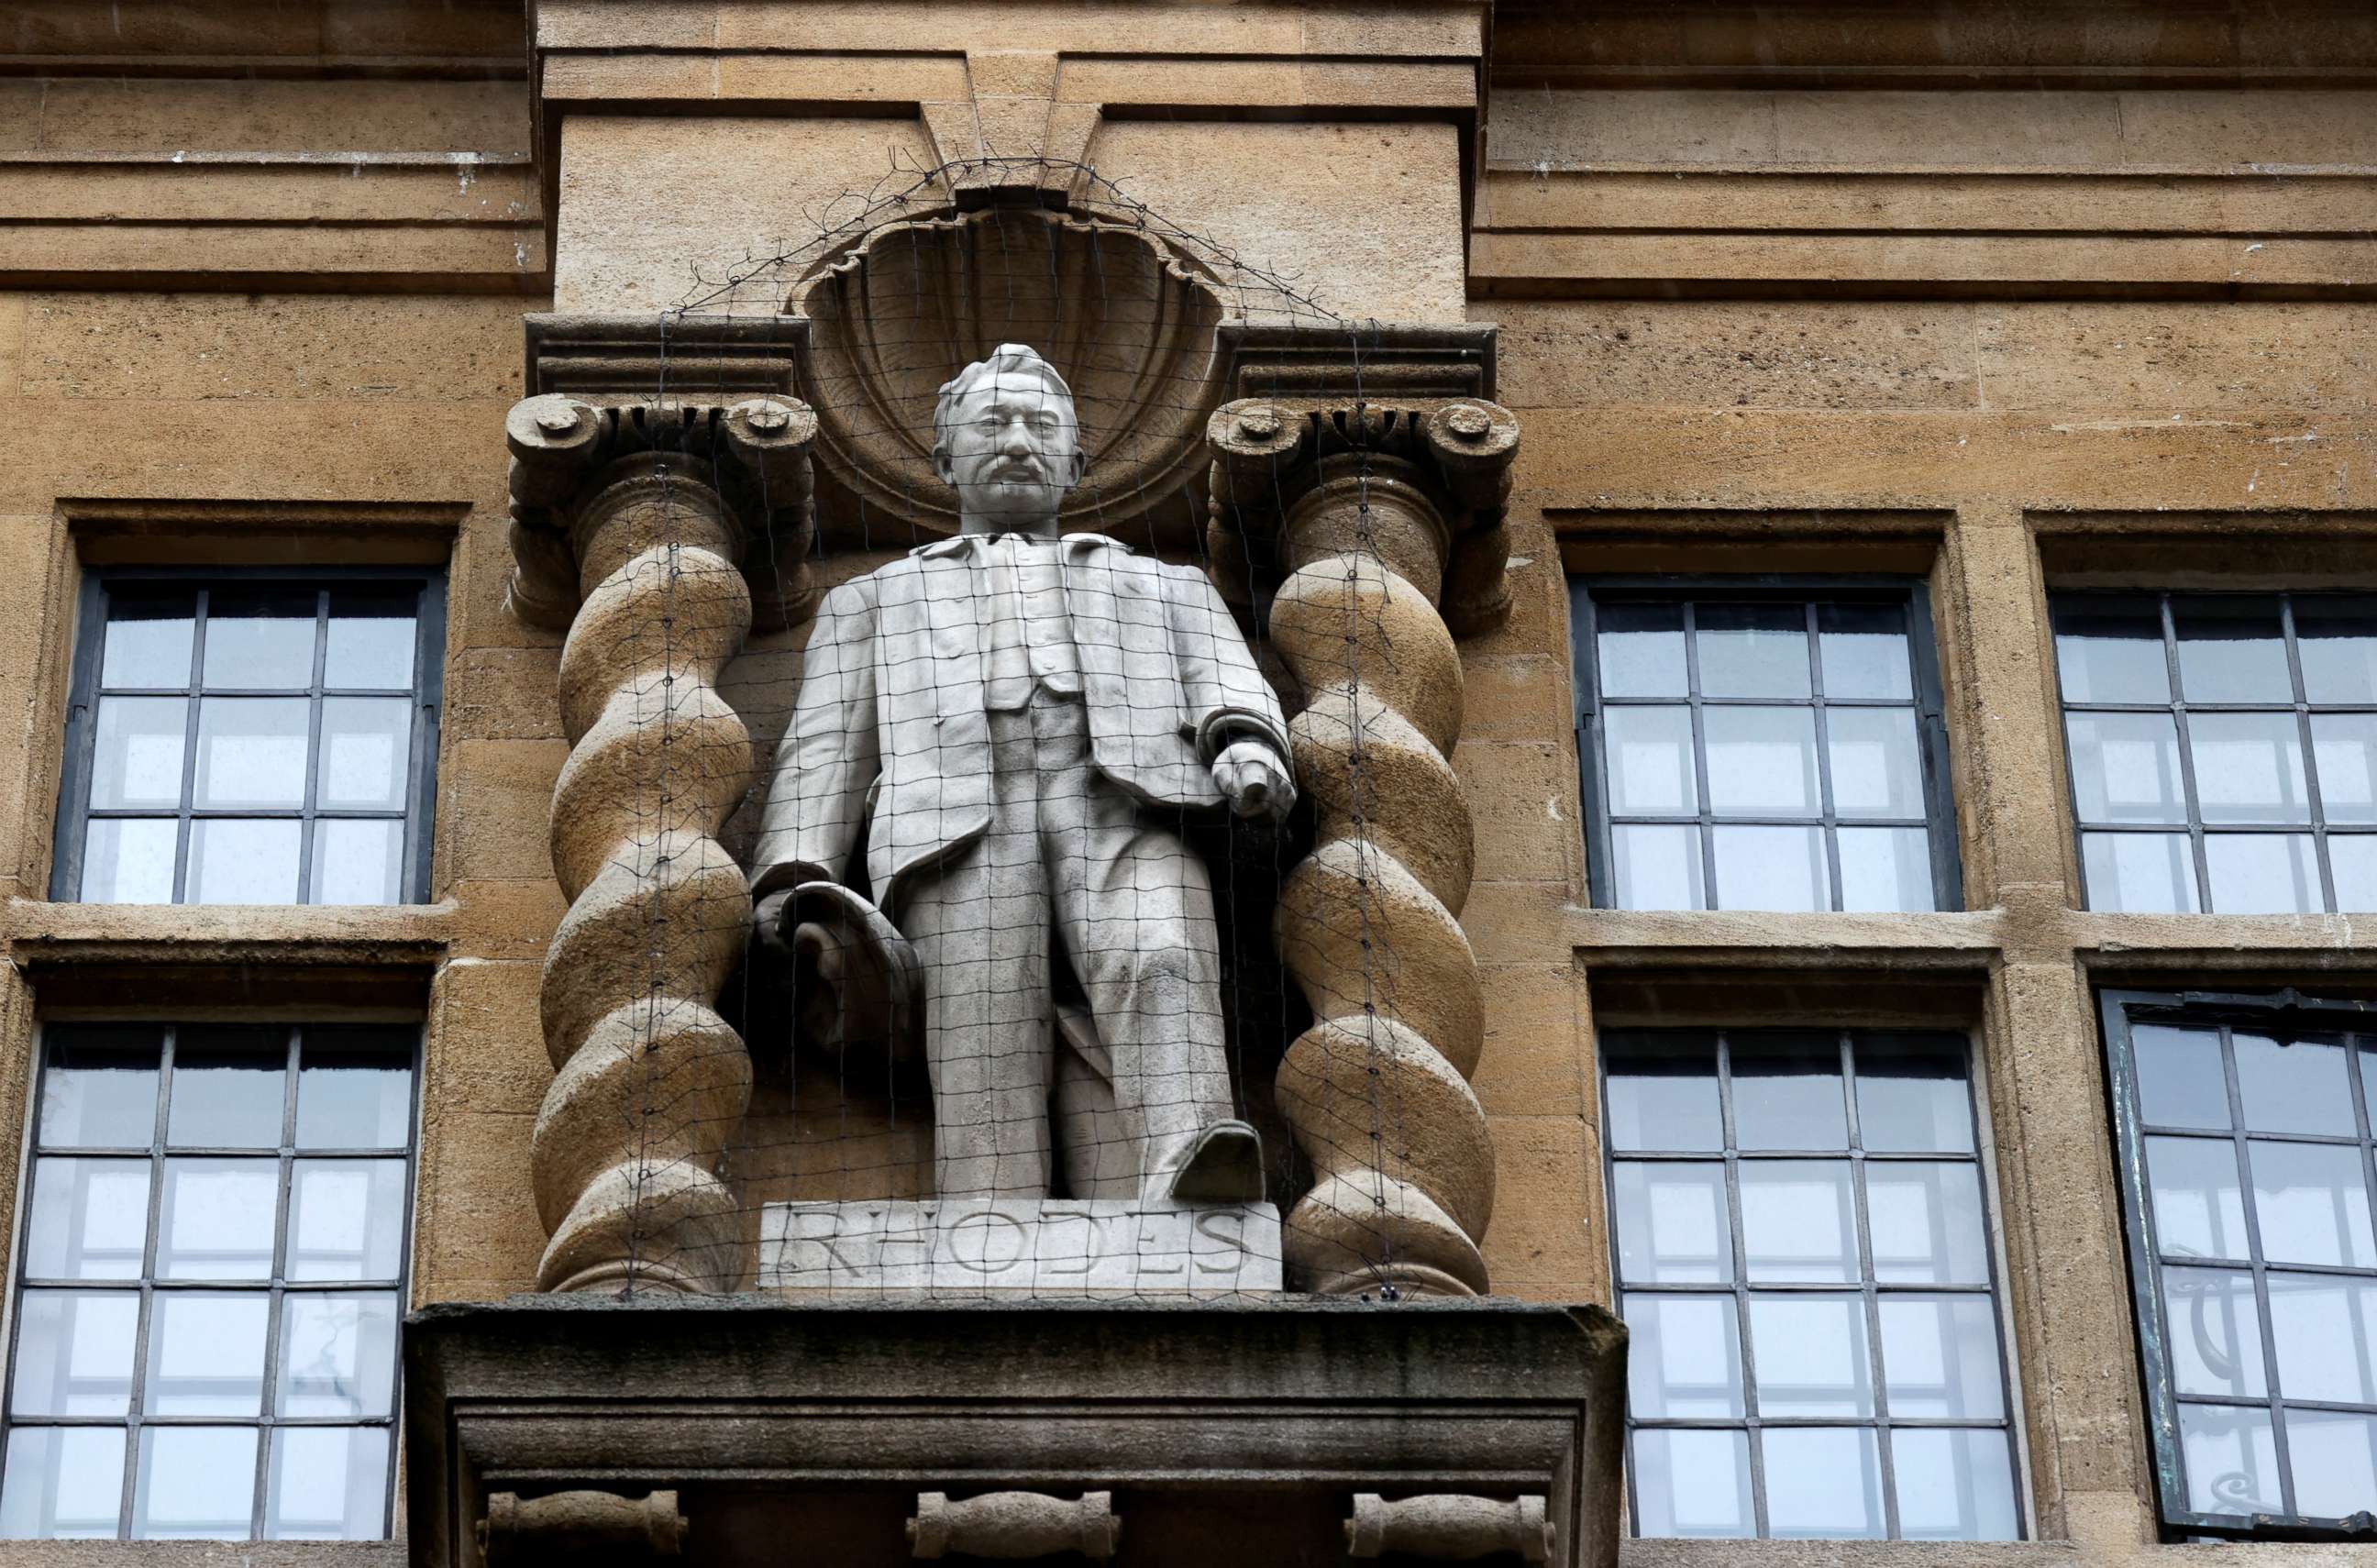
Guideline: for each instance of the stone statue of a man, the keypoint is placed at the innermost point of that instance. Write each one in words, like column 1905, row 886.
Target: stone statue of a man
column 1018, row 720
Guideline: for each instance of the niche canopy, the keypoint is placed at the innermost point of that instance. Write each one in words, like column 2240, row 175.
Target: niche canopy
column 1126, row 320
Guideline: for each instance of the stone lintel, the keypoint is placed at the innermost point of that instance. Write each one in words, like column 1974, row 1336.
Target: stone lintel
column 1249, row 1421
column 1040, row 1245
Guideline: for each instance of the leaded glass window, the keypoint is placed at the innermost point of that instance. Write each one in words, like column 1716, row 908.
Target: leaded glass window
column 2223, row 750
column 1777, row 745
column 210, row 1272
column 1805, row 1265
column 251, row 741
column 2244, row 1130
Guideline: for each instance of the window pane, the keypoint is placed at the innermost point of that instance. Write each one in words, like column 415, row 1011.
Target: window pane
column 259, row 638
column 1911, row 1095
column 358, row 860
column 216, row 1218
column 2352, row 858
column 229, row 1082
column 2312, row 1203
column 2125, row 768
column 1639, row 649
column 1953, row 1485
column 2335, row 637
column 62, row 1483
column 2294, row 1085
column 1684, row 1357
column 1752, row 650
column 128, row 861
column 2199, row 1210
column 346, row 1219
column 1863, row 648
column 90, row 1219
column 1692, row 1484
column 194, row 1483
column 2139, row 873
column 1822, row 1481
column 1672, row 1228
column 1761, row 761
column 1939, row 1356
column 1663, row 1095
column 206, row 1354
column 74, row 1352
column 1925, row 1223
column 338, row 1355
column 252, row 752
column 147, row 638
column 1811, row 1352
column 1786, row 1091
column 1876, row 769
column 1886, row 868
column 2111, row 650
column 2248, row 767
column 1777, row 869
column 354, row 1087
column 1650, row 760
column 2325, row 1326
column 328, row 1483
column 2215, row 1332
column 2334, row 1456
column 1658, row 867
column 98, row 1086
column 137, row 756
column 1796, row 1225
column 2180, row 1079
column 367, row 752
column 2231, row 649
column 244, row 860
column 372, row 634
column 2344, row 749
column 2231, row 1459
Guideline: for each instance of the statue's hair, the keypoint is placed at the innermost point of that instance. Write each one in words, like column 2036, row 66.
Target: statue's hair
column 1005, row 358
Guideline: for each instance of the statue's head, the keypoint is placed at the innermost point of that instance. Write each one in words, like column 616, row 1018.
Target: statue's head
column 1005, row 435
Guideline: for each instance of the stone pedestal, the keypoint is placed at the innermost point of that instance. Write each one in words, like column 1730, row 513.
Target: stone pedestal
column 1246, row 1429
column 1047, row 1246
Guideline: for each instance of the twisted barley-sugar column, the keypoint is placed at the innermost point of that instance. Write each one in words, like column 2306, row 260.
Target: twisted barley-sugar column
column 650, row 1083
column 1377, row 1091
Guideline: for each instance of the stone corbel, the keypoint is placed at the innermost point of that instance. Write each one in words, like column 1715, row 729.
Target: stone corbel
column 570, row 1524
column 1015, row 1525
column 1367, row 533
column 1449, row 1526
column 633, row 525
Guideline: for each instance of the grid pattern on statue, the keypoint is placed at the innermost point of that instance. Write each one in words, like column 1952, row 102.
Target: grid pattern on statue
column 213, row 1271
column 2223, row 750
column 263, row 739
column 1775, row 744
column 2244, row 1126
column 1041, row 731
column 1804, row 1261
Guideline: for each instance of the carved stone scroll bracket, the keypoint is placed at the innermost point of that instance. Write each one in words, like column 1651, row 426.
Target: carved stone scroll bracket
column 554, row 1528
column 633, row 524
column 1449, row 1526
column 1015, row 1523
column 1371, row 536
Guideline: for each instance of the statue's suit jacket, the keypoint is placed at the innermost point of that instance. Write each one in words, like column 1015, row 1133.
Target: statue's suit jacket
column 891, row 711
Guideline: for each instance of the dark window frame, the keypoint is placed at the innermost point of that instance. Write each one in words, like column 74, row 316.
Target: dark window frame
column 427, row 696
column 2278, row 1014
column 1739, row 1287
column 2315, row 826
column 1587, row 590
column 276, row 1288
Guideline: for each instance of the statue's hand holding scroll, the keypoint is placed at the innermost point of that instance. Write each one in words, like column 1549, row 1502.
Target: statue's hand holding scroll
column 1255, row 779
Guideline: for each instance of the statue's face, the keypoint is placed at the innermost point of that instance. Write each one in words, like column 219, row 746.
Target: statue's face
column 1013, row 449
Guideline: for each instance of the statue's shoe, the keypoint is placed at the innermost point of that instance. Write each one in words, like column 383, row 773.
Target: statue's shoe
column 1224, row 1165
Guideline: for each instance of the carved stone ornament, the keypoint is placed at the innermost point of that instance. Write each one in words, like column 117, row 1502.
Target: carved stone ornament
column 634, row 522
column 1449, row 1526
column 568, row 1524
column 1369, row 532
column 1015, row 1523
